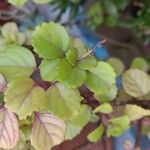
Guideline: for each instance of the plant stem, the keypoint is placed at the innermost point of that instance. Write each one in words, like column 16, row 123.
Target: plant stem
column 138, row 136
column 98, row 45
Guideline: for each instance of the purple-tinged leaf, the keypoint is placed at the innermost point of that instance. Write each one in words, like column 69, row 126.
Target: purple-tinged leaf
column 3, row 83
column 47, row 131
column 9, row 129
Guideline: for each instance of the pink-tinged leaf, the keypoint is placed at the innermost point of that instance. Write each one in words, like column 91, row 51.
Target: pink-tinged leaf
column 3, row 83
column 9, row 129
column 47, row 131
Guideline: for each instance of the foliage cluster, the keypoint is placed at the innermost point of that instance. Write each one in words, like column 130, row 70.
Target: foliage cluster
column 53, row 87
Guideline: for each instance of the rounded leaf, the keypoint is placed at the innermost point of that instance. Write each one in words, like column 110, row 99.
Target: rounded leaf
column 140, row 63
column 9, row 129
column 136, row 83
column 16, row 61
column 101, row 78
column 69, row 99
column 50, row 40
column 47, row 131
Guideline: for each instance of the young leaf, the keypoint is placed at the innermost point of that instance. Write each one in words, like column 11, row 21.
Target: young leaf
column 18, row 3
column 103, row 108
column 24, row 97
column 117, row 64
column 3, row 83
column 87, row 63
column 96, row 135
column 71, row 56
column 101, row 78
column 71, row 76
column 47, row 131
column 140, row 63
column 117, row 126
column 77, row 122
column 9, row 129
column 48, row 70
column 50, row 40
column 136, row 83
column 69, row 100
column 16, row 61
column 135, row 112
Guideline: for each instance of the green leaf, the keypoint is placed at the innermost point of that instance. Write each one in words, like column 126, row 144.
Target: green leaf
column 71, row 76
column 48, row 70
column 16, row 61
column 108, row 95
column 50, row 40
column 140, row 63
column 42, row 1
column 79, row 46
column 88, row 63
column 18, row 3
column 24, row 97
column 135, row 112
column 136, row 83
column 69, row 100
column 96, row 135
column 71, row 56
column 104, row 108
column 118, row 126
column 9, row 129
column 101, row 78
column 117, row 64
column 47, row 131
column 77, row 122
